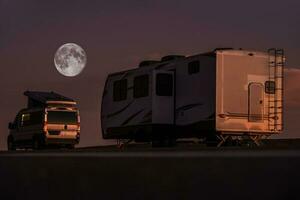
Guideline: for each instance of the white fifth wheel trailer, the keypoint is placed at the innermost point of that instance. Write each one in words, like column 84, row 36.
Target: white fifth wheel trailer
column 215, row 96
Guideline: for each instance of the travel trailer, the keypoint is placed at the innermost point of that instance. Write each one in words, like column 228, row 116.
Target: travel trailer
column 219, row 96
column 49, row 119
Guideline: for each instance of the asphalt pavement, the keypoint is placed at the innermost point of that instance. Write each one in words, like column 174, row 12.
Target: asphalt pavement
column 147, row 173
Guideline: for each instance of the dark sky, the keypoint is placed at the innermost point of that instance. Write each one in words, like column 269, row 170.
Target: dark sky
column 116, row 35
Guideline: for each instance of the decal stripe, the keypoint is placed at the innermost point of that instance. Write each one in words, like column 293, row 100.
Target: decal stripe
column 131, row 117
column 119, row 111
column 148, row 115
column 189, row 106
column 147, row 118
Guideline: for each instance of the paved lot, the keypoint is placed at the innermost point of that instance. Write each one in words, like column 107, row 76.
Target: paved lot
column 144, row 173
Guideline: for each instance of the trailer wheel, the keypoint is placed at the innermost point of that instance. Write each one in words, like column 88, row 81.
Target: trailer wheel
column 211, row 140
column 11, row 146
column 171, row 142
column 159, row 142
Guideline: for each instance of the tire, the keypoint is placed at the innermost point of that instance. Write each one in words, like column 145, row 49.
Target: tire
column 160, row 142
column 11, row 146
column 36, row 145
column 211, row 141
column 171, row 142
column 70, row 146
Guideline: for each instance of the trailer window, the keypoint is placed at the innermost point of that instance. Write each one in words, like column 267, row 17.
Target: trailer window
column 270, row 87
column 164, row 84
column 141, row 86
column 120, row 90
column 194, row 67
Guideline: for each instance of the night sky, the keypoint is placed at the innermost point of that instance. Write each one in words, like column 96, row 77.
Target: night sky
column 116, row 35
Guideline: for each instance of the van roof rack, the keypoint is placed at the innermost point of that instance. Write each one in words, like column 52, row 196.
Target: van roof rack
column 40, row 99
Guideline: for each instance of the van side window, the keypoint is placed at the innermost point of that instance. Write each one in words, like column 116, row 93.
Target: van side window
column 25, row 119
column 194, row 67
column 120, row 90
column 164, row 84
column 270, row 87
column 141, row 86
column 33, row 118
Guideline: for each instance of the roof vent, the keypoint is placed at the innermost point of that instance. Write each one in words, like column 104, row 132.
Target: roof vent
column 226, row 48
column 148, row 62
column 171, row 57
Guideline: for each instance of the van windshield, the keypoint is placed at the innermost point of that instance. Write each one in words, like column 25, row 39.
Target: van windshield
column 61, row 117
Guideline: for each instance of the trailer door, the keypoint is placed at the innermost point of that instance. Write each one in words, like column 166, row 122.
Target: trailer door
column 163, row 97
column 256, row 104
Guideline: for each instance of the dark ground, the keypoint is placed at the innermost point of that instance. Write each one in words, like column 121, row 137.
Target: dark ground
column 141, row 172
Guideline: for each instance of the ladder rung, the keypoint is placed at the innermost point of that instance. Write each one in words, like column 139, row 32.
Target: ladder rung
column 274, row 77
column 273, row 64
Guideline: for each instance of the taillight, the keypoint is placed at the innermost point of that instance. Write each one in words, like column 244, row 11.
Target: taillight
column 78, row 125
column 45, row 127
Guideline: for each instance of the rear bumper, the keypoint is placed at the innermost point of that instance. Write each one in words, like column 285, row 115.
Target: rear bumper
column 61, row 141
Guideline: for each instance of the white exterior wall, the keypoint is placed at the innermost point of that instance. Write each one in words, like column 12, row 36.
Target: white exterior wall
column 115, row 114
column 235, row 71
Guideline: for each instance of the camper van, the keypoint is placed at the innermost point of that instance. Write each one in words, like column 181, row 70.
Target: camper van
column 50, row 119
column 217, row 96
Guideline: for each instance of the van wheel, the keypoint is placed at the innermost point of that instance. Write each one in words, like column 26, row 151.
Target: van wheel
column 70, row 146
column 36, row 143
column 11, row 146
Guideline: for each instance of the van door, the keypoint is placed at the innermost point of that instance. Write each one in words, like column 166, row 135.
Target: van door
column 255, row 102
column 163, row 97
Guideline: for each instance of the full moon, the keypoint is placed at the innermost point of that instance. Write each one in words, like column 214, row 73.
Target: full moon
column 70, row 59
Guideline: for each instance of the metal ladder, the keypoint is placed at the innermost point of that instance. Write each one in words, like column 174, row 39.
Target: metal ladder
column 275, row 101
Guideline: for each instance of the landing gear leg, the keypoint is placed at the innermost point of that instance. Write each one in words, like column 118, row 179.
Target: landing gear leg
column 122, row 143
column 256, row 139
column 222, row 139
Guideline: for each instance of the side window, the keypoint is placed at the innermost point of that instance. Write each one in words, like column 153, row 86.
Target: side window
column 141, row 86
column 194, row 67
column 120, row 90
column 25, row 119
column 164, row 84
column 270, row 87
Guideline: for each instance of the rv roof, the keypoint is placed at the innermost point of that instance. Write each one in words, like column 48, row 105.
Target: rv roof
column 242, row 53
column 228, row 51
